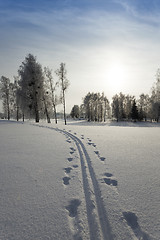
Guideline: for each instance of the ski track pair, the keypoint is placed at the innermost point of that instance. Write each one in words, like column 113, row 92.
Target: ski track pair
column 99, row 226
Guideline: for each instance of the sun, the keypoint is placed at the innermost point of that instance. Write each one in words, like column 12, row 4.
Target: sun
column 117, row 75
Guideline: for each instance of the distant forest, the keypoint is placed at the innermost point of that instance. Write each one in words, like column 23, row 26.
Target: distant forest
column 35, row 94
column 96, row 106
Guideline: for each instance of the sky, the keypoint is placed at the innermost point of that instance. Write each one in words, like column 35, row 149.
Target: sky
column 108, row 46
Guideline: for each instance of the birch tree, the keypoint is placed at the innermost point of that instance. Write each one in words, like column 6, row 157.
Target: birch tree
column 64, row 83
column 5, row 95
column 52, row 86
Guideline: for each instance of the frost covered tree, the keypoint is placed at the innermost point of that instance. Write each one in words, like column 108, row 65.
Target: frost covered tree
column 5, row 93
column 95, row 107
column 155, row 98
column 121, row 106
column 64, row 83
column 128, row 102
column 51, row 90
column 118, row 106
column 144, row 106
column 115, row 107
column 31, row 87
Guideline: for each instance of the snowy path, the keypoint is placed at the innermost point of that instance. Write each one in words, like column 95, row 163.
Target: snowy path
column 55, row 184
column 99, row 226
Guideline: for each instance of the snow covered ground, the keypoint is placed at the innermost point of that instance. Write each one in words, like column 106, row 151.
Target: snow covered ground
column 80, row 181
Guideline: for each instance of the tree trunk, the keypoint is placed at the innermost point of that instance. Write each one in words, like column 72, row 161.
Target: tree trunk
column 46, row 112
column 36, row 113
column 64, row 107
column 55, row 113
column 17, row 115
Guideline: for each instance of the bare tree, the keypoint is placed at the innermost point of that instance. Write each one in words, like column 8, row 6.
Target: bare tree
column 64, row 83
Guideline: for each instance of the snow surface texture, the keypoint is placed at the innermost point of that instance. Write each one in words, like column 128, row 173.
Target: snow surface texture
column 80, row 181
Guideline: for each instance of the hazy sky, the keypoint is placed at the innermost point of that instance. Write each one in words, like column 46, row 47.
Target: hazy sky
column 107, row 45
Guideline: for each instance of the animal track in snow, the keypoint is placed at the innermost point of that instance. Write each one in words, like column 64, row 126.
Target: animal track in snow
column 82, row 136
column 75, row 166
column 68, row 140
column 98, row 155
column 70, row 159
column 73, row 149
column 109, row 181
column 108, row 174
column 73, row 207
column 68, row 170
column 91, row 144
column 97, row 152
column 66, row 180
column 132, row 221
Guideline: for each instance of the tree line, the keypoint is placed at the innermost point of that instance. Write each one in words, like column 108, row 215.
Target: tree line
column 34, row 92
column 96, row 106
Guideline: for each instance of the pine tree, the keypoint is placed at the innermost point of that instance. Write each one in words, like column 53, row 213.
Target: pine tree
column 134, row 111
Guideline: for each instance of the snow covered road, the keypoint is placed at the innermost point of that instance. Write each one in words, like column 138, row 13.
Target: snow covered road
column 72, row 182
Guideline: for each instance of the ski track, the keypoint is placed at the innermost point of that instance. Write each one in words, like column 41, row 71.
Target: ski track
column 99, row 226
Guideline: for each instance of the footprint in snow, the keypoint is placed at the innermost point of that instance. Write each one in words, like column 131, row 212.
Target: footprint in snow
column 132, row 221
column 102, row 159
column 66, row 180
column 82, row 136
column 73, row 149
column 68, row 170
column 75, row 166
column 70, row 159
column 111, row 182
column 96, row 152
column 108, row 174
column 73, row 207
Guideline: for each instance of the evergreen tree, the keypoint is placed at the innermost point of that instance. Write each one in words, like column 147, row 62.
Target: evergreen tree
column 75, row 112
column 134, row 111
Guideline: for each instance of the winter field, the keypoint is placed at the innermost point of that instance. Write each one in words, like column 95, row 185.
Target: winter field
column 80, row 181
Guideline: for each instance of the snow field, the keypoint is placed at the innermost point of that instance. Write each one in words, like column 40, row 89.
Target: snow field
column 79, row 181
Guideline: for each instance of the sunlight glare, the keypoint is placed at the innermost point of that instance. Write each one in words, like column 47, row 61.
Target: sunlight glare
column 117, row 75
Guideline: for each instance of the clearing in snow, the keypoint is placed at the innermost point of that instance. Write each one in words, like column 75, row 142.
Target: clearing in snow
column 79, row 181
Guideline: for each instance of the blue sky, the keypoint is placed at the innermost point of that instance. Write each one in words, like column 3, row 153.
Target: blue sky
column 107, row 45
